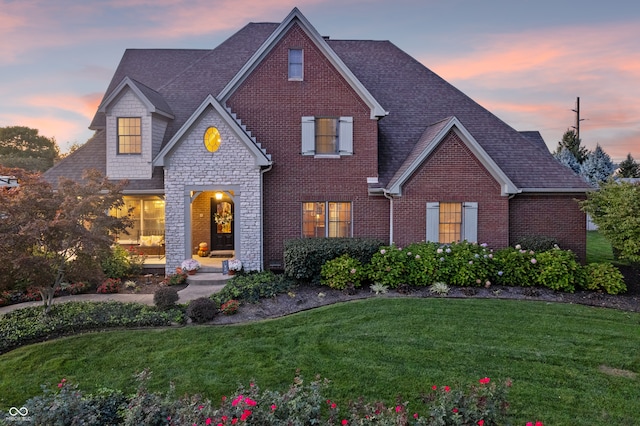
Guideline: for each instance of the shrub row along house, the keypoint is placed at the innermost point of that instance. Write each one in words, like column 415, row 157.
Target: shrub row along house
column 281, row 133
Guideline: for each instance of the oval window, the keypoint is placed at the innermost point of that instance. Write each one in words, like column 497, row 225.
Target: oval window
column 212, row 139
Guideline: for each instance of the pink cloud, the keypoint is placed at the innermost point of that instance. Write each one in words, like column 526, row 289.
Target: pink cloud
column 62, row 130
column 82, row 105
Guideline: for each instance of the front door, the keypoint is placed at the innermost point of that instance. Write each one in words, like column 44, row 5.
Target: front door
column 221, row 224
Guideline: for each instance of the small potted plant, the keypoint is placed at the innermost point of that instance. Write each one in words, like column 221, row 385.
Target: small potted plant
column 190, row 266
column 235, row 265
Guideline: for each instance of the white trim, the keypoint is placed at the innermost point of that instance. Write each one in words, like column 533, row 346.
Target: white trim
column 127, row 82
column 506, row 186
column 262, row 159
column 296, row 17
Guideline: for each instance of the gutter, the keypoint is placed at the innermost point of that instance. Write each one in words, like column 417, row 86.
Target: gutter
column 262, row 172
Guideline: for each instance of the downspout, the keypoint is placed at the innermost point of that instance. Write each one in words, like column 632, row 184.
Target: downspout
column 390, row 198
column 262, row 172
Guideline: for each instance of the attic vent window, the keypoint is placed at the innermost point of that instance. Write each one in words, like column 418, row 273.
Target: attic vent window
column 295, row 64
column 129, row 135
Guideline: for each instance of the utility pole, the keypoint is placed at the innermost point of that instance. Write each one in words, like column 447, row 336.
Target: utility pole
column 578, row 119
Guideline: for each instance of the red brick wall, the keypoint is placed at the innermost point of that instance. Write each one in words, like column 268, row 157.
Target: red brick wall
column 552, row 215
column 452, row 174
column 272, row 107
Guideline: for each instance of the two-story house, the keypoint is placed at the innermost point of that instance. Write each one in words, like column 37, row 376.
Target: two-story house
column 281, row 133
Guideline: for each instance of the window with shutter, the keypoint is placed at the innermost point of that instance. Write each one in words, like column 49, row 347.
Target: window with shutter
column 327, row 136
column 450, row 222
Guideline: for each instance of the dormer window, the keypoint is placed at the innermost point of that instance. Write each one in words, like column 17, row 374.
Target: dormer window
column 295, row 64
column 129, row 135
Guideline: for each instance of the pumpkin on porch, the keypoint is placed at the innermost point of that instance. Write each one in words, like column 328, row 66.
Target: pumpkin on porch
column 203, row 249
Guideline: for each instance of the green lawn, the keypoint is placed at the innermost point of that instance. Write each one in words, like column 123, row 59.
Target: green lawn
column 556, row 355
column 598, row 248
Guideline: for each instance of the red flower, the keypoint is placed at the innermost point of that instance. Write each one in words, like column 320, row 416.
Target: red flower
column 345, row 422
column 208, row 421
column 447, row 388
column 415, row 415
column 484, row 381
column 455, row 410
column 480, row 422
column 434, row 387
column 245, row 415
column 273, row 407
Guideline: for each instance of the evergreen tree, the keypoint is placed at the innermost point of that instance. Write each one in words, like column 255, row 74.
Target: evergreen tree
column 571, row 142
column 25, row 148
column 598, row 167
column 566, row 158
column 629, row 168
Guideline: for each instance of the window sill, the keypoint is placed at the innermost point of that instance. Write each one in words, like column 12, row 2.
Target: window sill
column 326, row 156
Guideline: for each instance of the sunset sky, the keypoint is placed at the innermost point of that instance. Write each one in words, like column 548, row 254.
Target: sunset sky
column 526, row 61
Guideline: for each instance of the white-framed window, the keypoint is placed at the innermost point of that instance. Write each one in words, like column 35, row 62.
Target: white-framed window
column 129, row 135
column 327, row 136
column 448, row 222
column 296, row 64
column 147, row 219
column 326, row 219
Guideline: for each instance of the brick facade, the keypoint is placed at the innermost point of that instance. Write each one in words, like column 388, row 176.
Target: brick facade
column 272, row 108
column 451, row 174
column 551, row 215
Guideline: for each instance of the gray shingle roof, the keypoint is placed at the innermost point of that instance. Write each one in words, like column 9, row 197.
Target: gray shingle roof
column 414, row 96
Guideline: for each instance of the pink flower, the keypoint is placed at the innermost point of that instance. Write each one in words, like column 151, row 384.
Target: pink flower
column 539, row 423
column 415, row 415
column 480, row 422
column 345, row 422
column 235, row 420
column 224, row 418
column 237, row 400
column 245, row 415
column 273, row 407
column 447, row 388
column 534, row 261
column 200, row 407
column 529, row 424
column 484, row 381
column 455, row 410
column 434, row 387
column 250, row 402
column 208, row 421
column 333, row 405
column 398, row 408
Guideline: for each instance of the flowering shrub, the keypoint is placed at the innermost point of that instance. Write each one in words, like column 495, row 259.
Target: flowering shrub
column 190, row 265
column 230, row 307
column 465, row 264
column 110, row 285
column 516, row 267
column 389, row 266
column 482, row 404
column 175, row 279
column 341, row 272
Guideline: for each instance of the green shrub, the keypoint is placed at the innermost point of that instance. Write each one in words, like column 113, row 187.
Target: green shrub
column 84, row 268
column 537, row 243
column 604, row 277
column 175, row 279
column 165, row 297
column 341, row 272
column 421, row 263
column 389, row 266
column 559, row 270
column 116, row 263
column 28, row 325
column 465, row 264
column 304, row 257
column 253, row 286
column 201, row 310
column 515, row 267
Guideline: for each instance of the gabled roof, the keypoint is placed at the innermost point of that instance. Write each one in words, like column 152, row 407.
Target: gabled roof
column 153, row 101
column 296, row 17
column 430, row 139
column 262, row 158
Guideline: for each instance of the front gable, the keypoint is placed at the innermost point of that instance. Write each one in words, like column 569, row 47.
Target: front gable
column 435, row 135
column 136, row 120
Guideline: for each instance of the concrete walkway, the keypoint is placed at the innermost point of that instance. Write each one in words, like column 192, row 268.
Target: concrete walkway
column 192, row 291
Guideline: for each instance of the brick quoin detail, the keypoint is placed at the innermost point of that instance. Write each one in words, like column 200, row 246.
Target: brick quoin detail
column 452, row 174
column 551, row 215
column 272, row 107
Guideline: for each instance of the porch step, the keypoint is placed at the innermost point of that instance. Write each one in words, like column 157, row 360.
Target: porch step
column 206, row 278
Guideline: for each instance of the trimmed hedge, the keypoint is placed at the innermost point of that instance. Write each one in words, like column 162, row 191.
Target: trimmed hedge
column 30, row 325
column 253, row 286
column 303, row 258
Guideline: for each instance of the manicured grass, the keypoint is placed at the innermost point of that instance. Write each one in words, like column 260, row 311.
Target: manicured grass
column 377, row 348
column 598, row 248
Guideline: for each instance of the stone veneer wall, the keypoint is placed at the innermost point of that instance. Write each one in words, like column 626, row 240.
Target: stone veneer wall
column 192, row 168
column 129, row 166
